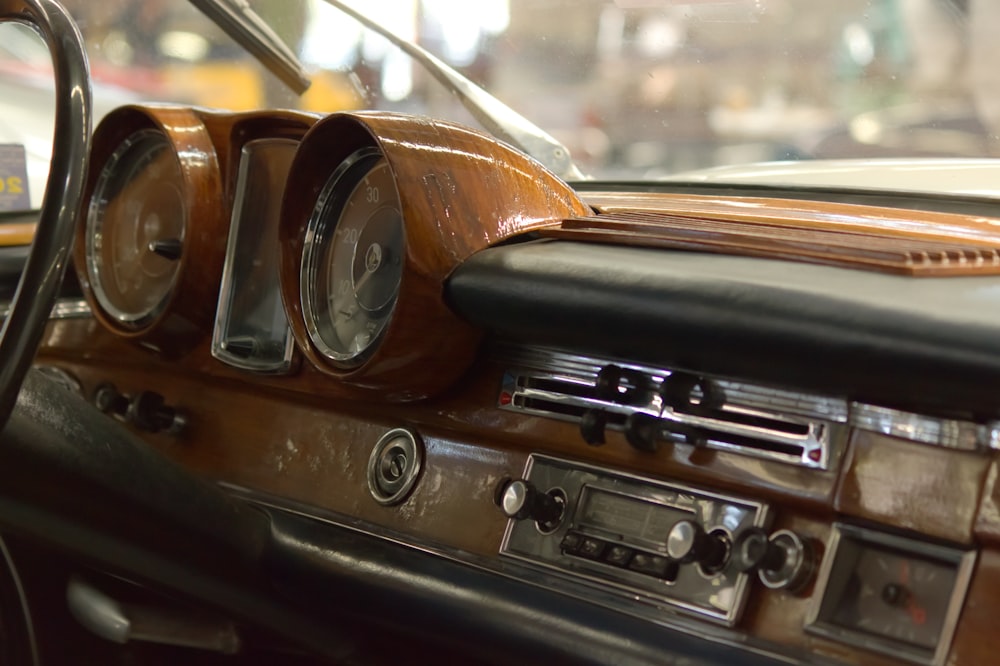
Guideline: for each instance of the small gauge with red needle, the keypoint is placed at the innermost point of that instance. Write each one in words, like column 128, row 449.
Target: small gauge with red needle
column 892, row 594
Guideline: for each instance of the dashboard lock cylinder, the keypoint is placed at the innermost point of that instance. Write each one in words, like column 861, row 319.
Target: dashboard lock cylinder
column 394, row 466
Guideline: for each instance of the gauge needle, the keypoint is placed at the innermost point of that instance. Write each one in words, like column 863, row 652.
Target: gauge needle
column 916, row 611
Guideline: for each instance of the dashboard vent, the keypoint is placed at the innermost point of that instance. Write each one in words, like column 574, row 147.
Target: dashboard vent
column 751, row 420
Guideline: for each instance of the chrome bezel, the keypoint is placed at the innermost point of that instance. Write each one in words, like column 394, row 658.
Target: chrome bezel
column 94, row 236
column 322, row 224
column 962, row 560
column 402, row 487
column 276, row 363
column 690, row 594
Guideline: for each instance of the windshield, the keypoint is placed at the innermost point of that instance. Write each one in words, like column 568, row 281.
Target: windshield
column 636, row 89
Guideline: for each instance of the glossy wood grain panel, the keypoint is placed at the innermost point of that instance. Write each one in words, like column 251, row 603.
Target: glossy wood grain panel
column 987, row 525
column 931, row 490
column 315, row 452
column 468, row 410
column 975, row 641
column 892, row 240
column 188, row 313
column 460, row 191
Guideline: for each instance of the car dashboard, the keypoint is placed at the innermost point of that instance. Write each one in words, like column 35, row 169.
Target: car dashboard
column 526, row 421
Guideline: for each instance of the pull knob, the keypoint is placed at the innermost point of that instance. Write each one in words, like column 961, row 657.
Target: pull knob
column 783, row 561
column 753, row 551
column 688, row 542
column 520, row 500
column 148, row 411
column 110, row 400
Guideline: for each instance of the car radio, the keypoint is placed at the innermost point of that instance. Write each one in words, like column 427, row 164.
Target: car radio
column 633, row 536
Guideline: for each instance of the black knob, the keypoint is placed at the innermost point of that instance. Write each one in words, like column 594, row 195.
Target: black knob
column 109, row 400
column 643, row 431
column 623, row 386
column 754, row 551
column 148, row 411
column 592, row 425
column 688, row 542
column 520, row 500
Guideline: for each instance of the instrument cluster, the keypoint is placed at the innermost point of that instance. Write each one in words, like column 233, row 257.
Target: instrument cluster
column 291, row 236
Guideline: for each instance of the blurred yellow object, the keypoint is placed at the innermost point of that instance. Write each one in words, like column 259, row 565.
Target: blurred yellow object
column 238, row 86
column 331, row 91
column 221, row 85
column 16, row 233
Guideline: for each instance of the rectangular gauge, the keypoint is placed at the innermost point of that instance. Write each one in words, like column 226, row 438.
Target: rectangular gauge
column 891, row 594
column 251, row 330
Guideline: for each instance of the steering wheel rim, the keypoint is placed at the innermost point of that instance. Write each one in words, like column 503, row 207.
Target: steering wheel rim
column 49, row 254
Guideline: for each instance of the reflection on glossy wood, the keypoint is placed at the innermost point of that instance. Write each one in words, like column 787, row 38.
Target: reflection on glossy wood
column 928, row 489
column 888, row 239
column 975, row 639
column 460, row 192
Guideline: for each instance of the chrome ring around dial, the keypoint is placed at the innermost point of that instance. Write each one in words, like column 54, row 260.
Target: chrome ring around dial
column 135, row 229
column 352, row 259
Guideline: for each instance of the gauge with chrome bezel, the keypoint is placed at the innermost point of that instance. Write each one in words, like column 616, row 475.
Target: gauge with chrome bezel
column 352, row 259
column 135, row 229
column 150, row 246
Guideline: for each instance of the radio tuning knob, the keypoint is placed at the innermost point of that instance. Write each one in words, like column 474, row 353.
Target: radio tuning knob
column 688, row 542
column 519, row 500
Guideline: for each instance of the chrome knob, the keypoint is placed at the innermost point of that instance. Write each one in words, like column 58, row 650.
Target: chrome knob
column 520, row 500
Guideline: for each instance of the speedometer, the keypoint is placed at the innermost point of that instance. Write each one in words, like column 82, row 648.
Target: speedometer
column 352, row 260
column 135, row 228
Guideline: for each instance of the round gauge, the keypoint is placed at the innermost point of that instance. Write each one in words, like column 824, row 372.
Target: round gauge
column 135, row 229
column 352, row 259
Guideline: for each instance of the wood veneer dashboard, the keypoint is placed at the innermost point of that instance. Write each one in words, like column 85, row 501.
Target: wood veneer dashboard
column 384, row 347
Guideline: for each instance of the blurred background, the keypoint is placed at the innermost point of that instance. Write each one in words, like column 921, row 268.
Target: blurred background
column 636, row 88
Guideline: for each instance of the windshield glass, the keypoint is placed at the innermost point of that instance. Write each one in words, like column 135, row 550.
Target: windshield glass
column 636, row 89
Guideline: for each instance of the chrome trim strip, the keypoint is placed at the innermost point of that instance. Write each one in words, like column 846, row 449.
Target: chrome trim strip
column 947, row 433
column 66, row 308
column 779, row 404
column 740, row 393
column 817, row 436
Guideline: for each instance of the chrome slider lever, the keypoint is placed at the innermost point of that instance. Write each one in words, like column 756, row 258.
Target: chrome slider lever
column 121, row 622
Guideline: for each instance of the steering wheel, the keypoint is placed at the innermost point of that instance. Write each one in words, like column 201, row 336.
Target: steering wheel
column 49, row 254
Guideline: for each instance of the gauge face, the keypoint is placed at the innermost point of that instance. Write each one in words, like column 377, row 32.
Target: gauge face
column 135, row 229
column 352, row 259
column 896, row 595
column 891, row 594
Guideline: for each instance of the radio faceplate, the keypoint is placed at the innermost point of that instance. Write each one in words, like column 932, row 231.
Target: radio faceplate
column 613, row 535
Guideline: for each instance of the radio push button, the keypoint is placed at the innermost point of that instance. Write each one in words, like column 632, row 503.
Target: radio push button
column 618, row 555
